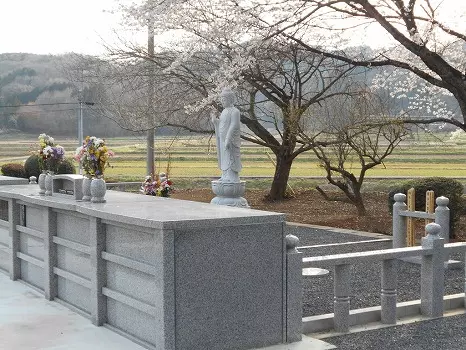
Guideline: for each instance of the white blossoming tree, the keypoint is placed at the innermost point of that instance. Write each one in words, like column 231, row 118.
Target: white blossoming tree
column 424, row 39
column 233, row 42
column 217, row 44
column 274, row 91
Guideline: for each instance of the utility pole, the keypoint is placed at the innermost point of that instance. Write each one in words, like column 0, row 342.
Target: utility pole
column 80, row 124
column 80, row 128
column 150, row 101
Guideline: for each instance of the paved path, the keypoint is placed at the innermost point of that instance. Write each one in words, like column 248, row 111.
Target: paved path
column 29, row 322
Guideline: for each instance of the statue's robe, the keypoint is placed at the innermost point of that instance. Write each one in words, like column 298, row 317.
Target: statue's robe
column 230, row 158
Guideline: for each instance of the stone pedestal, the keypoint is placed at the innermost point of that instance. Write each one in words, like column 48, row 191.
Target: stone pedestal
column 229, row 193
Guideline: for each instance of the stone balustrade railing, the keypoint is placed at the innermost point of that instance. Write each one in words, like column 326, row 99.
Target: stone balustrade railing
column 432, row 253
column 401, row 212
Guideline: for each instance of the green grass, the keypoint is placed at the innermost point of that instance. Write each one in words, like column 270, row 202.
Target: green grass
column 195, row 157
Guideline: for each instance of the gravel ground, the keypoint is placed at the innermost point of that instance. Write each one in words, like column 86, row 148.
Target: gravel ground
column 447, row 333
column 365, row 281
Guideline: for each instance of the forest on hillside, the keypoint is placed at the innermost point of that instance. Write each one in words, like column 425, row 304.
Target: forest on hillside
column 36, row 96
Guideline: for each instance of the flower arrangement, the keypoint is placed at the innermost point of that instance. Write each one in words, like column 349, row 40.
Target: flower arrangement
column 50, row 155
column 93, row 156
column 161, row 186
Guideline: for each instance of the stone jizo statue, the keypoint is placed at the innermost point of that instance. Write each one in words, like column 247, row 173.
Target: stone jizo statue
column 228, row 189
column 227, row 132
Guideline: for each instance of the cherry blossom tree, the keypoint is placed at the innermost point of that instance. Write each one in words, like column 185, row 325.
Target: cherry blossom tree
column 236, row 38
column 426, row 40
column 275, row 89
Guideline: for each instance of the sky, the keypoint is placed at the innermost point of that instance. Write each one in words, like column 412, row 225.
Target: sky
column 82, row 26
column 56, row 26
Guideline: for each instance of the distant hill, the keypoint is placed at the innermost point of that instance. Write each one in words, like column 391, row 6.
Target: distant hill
column 36, row 97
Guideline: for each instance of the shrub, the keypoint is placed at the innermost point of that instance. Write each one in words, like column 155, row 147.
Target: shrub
column 13, row 169
column 66, row 167
column 441, row 186
column 32, row 168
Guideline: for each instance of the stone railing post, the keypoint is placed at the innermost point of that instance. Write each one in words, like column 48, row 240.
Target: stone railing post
column 13, row 221
column 464, row 275
column 399, row 222
column 50, row 256
column 294, row 290
column 442, row 217
column 388, row 293
column 341, row 303
column 98, row 304
column 432, row 272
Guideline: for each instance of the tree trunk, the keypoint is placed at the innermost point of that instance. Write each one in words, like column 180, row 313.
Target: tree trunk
column 359, row 203
column 354, row 194
column 280, row 179
column 461, row 98
column 351, row 188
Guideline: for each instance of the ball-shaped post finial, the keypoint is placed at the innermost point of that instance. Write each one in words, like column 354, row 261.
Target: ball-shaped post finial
column 399, row 197
column 442, row 201
column 433, row 229
column 291, row 242
column 32, row 180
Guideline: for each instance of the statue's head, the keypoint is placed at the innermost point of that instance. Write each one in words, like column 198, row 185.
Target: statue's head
column 227, row 97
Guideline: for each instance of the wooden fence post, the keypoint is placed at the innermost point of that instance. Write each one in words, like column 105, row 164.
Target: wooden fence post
column 430, row 205
column 410, row 220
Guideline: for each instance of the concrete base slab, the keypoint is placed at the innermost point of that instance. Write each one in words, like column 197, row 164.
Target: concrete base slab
column 307, row 343
column 28, row 321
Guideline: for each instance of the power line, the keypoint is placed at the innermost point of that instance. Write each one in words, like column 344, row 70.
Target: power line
column 44, row 104
column 47, row 111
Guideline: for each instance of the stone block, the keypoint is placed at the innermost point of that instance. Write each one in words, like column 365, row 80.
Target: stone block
column 70, row 185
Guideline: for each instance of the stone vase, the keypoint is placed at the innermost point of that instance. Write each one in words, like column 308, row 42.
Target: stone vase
column 98, row 189
column 49, row 184
column 41, row 182
column 87, row 189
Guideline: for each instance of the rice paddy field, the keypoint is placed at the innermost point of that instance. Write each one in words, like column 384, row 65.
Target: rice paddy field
column 195, row 157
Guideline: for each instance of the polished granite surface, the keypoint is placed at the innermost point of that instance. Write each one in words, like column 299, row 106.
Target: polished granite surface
column 148, row 211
